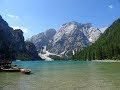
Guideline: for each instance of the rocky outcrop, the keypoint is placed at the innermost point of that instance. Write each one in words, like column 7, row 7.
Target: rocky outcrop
column 12, row 44
column 19, row 40
column 25, row 49
column 94, row 34
column 6, row 40
column 42, row 39
column 31, row 50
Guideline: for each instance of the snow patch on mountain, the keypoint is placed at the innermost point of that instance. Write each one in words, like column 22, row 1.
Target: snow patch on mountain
column 72, row 36
column 45, row 56
column 94, row 34
column 103, row 29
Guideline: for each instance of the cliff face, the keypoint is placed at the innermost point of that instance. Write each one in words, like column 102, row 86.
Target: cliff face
column 6, row 40
column 19, row 40
column 42, row 39
column 31, row 50
column 12, row 44
column 25, row 50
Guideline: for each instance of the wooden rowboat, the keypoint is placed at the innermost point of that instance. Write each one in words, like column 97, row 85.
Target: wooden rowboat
column 26, row 71
column 10, row 70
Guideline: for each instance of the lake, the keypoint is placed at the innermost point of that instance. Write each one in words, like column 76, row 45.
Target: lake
column 63, row 75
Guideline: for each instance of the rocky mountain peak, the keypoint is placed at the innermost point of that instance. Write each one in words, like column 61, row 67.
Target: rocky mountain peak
column 94, row 34
column 40, row 40
column 87, row 25
column 66, row 29
column 50, row 32
column 71, row 23
column 0, row 17
column 72, row 36
column 18, row 35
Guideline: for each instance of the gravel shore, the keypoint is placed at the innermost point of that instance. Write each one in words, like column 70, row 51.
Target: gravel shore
column 105, row 60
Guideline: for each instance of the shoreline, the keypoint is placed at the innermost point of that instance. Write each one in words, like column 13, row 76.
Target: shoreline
column 105, row 60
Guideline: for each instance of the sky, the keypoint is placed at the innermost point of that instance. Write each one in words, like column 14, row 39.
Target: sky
column 36, row 16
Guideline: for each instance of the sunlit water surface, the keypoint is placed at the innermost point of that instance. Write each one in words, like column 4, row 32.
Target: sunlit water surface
column 63, row 75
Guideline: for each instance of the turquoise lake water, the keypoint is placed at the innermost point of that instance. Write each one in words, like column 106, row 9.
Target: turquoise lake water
column 63, row 75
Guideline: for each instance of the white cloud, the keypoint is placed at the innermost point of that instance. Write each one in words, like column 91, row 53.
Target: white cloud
column 111, row 6
column 13, row 16
column 25, row 30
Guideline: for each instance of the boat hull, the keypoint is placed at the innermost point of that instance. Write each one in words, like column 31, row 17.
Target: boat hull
column 10, row 70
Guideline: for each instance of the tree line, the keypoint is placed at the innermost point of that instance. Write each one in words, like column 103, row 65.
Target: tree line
column 106, row 47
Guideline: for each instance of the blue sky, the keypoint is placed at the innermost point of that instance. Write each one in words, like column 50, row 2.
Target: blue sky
column 35, row 16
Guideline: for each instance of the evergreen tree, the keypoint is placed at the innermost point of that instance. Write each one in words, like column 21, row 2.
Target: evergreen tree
column 106, row 47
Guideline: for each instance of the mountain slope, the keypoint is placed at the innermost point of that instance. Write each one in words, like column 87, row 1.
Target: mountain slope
column 12, row 44
column 40, row 40
column 73, row 36
column 68, row 38
column 106, row 47
column 6, row 40
column 25, row 50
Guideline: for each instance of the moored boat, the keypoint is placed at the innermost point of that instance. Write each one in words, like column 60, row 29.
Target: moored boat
column 11, row 70
column 26, row 71
column 6, row 66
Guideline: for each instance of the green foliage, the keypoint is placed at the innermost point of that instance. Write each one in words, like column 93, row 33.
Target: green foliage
column 23, row 57
column 63, row 57
column 106, row 47
column 56, row 57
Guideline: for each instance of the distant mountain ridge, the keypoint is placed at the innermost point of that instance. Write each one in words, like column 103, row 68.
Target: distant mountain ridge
column 71, row 37
column 42, row 39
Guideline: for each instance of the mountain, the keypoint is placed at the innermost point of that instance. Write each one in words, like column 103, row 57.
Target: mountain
column 94, row 34
column 71, row 37
column 12, row 44
column 68, row 38
column 31, row 51
column 25, row 50
column 43, row 38
column 6, row 40
column 106, row 47
column 19, row 40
